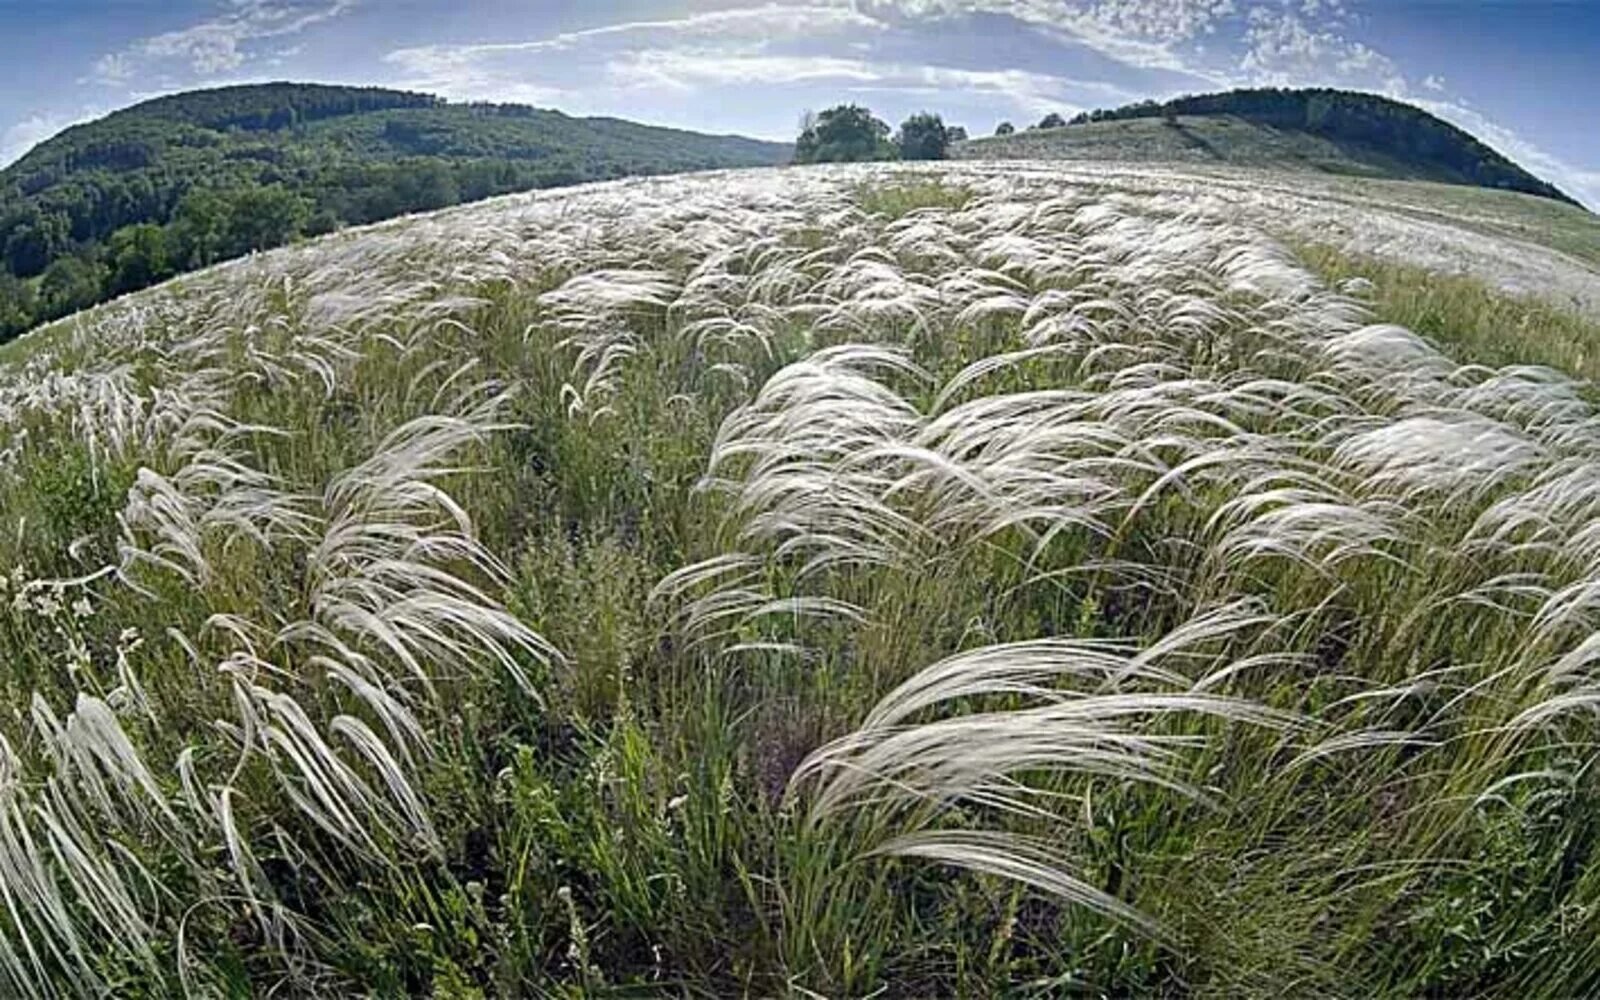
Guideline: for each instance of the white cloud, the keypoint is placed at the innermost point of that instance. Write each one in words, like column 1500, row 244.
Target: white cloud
column 1433, row 82
column 765, row 24
column 1220, row 43
column 732, row 47
column 220, row 43
column 32, row 130
column 1141, row 34
column 1283, row 49
column 746, row 47
column 687, row 69
column 113, row 67
column 1159, row 21
column 679, row 69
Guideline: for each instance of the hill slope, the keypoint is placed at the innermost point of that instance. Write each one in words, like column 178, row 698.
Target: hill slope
column 1330, row 131
column 182, row 181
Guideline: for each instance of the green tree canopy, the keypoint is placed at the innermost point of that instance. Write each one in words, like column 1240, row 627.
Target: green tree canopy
column 71, row 283
column 139, row 257
column 18, row 302
column 1004, row 128
column 923, row 137
column 35, row 240
column 847, row 133
column 264, row 216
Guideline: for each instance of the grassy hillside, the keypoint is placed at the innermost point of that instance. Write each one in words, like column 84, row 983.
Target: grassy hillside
column 183, row 181
column 963, row 580
column 1330, row 131
column 1193, row 139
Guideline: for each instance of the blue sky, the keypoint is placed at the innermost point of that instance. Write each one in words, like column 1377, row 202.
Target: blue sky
column 1521, row 74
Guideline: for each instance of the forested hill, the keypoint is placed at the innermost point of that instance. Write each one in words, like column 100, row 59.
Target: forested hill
column 186, row 180
column 1335, row 131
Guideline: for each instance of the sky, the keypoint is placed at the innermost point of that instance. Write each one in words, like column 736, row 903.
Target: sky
column 1523, row 75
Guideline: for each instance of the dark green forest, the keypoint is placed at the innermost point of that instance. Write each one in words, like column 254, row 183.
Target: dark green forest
column 1352, row 118
column 184, row 181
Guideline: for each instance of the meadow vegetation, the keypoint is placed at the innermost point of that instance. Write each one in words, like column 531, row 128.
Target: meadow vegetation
column 835, row 582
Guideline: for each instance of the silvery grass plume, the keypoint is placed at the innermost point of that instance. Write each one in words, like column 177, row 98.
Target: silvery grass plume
column 1067, row 384
column 391, row 610
column 1022, row 725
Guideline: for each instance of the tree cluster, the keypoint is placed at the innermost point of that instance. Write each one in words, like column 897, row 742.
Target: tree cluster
column 849, row 133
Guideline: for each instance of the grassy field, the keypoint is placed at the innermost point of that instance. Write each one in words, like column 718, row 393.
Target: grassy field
column 825, row 582
column 1192, row 140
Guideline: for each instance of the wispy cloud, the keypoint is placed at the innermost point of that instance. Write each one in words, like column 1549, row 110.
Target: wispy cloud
column 1141, row 34
column 1284, row 48
column 765, row 24
column 1579, row 182
column 220, row 43
column 774, row 45
column 17, row 139
column 737, row 46
column 688, row 69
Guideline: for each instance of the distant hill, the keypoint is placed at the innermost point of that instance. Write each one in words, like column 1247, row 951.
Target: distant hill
column 1332, row 131
column 182, row 181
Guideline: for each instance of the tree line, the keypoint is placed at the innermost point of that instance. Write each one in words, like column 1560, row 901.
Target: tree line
column 181, row 182
column 850, row 133
column 58, row 258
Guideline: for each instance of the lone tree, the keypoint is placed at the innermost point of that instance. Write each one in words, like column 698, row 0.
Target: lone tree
column 1052, row 120
column 1004, row 128
column 847, row 133
column 923, row 137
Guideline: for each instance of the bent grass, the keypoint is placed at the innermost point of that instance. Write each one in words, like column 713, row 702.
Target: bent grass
column 828, row 582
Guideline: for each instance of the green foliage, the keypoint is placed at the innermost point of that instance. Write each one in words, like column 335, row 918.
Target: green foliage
column 923, row 137
column 1004, row 128
column 227, row 171
column 262, row 217
column 847, row 133
column 1051, row 120
column 70, row 284
column 139, row 256
column 34, row 239
column 19, row 302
